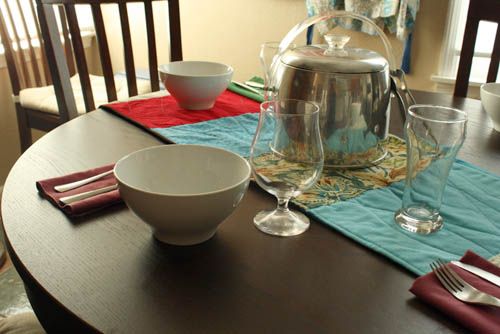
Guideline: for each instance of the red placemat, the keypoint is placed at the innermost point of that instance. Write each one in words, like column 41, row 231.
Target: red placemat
column 164, row 112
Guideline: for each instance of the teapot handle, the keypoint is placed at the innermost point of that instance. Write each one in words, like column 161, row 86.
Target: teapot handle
column 302, row 26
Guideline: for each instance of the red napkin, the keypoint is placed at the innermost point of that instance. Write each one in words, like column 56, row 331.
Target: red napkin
column 478, row 318
column 164, row 112
column 86, row 206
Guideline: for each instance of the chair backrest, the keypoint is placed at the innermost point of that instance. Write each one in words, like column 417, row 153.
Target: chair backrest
column 55, row 53
column 479, row 10
column 25, row 69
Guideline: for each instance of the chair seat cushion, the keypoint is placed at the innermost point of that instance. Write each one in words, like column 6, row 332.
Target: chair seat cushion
column 44, row 98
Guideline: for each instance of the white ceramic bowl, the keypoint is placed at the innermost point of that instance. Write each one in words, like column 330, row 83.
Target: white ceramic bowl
column 195, row 85
column 490, row 98
column 182, row 191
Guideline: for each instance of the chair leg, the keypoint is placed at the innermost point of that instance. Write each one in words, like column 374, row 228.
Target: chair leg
column 3, row 254
column 23, row 127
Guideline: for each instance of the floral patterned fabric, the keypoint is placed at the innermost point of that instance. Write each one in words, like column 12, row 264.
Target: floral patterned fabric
column 343, row 184
column 397, row 16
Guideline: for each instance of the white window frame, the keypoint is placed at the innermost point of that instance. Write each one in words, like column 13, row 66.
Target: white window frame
column 85, row 21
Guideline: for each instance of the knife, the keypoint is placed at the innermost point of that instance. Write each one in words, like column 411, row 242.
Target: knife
column 479, row 272
column 68, row 186
column 78, row 197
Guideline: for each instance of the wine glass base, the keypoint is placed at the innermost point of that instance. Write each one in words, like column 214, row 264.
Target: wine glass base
column 281, row 223
column 419, row 226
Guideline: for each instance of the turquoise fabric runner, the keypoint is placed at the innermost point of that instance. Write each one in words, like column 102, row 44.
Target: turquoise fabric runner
column 471, row 204
column 231, row 133
column 471, row 212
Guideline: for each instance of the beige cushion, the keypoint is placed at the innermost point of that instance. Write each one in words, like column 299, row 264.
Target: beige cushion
column 44, row 98
column 23, row 323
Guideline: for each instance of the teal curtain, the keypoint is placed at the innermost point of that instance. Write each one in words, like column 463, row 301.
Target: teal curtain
column 393, row 16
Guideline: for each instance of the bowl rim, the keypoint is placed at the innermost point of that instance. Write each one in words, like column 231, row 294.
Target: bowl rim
column 229, row 67
column 484, row 87
column 237, row 184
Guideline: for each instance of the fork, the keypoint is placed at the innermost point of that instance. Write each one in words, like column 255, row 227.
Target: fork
column 459, row 288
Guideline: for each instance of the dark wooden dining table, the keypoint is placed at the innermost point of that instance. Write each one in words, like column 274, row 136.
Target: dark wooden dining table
column 106, row 273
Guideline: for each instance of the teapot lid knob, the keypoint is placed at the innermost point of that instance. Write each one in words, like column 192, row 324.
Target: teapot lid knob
column 336, row 42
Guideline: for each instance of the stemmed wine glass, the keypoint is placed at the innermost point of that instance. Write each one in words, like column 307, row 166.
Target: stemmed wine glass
column 286, row 158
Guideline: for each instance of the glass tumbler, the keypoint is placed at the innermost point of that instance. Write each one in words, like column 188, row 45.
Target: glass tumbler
column 286, row 158
column 267, row 55
column 434, row 135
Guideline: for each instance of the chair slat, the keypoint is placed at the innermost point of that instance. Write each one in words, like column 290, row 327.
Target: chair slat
column 479, row 10
column 26, row 79
column 33, row 60
column 495, row 58
column 465, row 63
column 83, row 71
column 57, row 63
column 127, row 48
column 175, row 30
column 67, row 41
column 9, row 55
column 46, row 72
column 107, row 68
column 153, row 60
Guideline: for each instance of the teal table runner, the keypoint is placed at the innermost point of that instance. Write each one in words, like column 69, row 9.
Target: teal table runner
column 364, row 212
column 358, row 203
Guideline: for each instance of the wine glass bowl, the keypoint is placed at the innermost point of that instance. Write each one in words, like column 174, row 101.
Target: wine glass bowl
column 287, row 159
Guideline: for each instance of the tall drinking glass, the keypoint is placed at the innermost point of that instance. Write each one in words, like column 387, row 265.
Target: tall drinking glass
column 286, row 158
column 268, row 53
column 433, row 135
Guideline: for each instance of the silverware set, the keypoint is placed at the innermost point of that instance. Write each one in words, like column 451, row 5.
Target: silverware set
column 250, row 86
column 459, row 288
column 81, row 196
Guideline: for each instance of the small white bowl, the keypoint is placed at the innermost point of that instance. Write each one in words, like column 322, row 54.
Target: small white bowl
column 195, row 85
column 182, row 191
column 490, row 98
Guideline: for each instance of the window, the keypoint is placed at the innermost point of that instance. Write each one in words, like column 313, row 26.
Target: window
column 84, row 16
column 450, row 54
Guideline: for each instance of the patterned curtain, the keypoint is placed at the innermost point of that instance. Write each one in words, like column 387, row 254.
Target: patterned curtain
column 393, row 16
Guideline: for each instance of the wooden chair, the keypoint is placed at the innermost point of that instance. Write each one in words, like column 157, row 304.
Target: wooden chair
column 73, row 95
column 57, row 61
column 479, row 10
column 27, row 68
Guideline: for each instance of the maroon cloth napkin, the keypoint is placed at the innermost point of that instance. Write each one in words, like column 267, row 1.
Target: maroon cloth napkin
column 86, row 206
column 478, row 318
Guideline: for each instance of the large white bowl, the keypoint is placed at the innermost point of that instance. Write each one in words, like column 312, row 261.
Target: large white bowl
column 195, row 85
column 490, row 98
column 182, row 191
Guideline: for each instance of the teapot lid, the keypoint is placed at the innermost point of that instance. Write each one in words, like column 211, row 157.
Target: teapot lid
column 335, row 58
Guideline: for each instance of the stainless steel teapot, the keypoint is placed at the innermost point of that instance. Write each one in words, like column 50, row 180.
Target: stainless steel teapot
column 352, row 86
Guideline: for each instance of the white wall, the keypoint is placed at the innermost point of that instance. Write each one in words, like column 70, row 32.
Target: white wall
column 227, row 31
column 138, row 33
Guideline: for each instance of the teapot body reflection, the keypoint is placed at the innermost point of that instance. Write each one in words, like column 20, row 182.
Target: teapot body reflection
column 352, row 86
column 354, row 114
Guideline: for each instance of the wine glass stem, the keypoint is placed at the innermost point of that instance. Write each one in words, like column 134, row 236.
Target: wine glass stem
column 283, row 204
